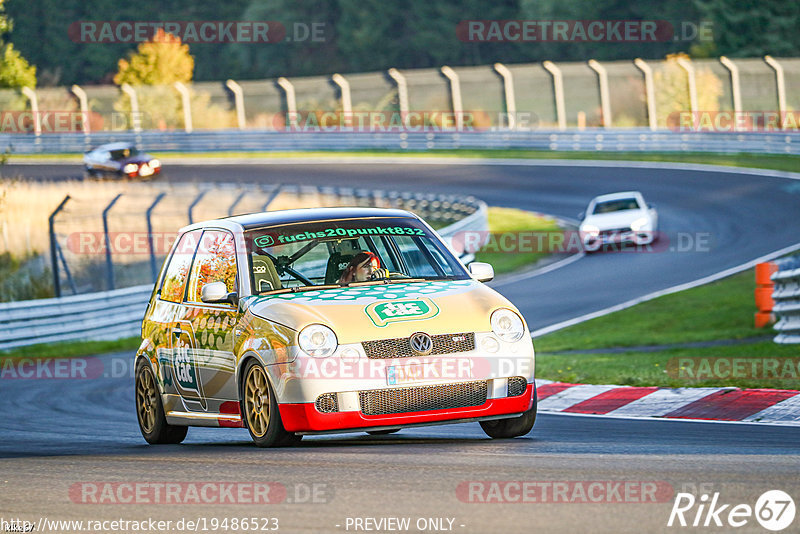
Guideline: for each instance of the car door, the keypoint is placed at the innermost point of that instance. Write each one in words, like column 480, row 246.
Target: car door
column 210, row 326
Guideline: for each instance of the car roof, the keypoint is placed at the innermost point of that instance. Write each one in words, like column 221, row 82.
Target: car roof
column 618, row 196
column 115, row 146
column 271, row 218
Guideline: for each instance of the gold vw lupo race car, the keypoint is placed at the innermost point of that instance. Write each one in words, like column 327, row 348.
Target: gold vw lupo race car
column 329, row 320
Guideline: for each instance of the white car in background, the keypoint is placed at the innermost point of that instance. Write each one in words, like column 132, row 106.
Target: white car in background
column 618, row 218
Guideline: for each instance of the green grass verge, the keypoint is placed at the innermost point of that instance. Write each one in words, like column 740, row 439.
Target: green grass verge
column 663, row 368
column 761, row 161
column 516, row 222
column 722, row 310
column 73, row 348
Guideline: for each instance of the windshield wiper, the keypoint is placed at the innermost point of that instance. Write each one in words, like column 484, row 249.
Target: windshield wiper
column 298, row 289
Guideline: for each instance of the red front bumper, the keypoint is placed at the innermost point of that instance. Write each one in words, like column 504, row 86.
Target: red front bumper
column 304, row 417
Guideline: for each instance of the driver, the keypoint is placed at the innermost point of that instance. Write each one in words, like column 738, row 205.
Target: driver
column 360, row 268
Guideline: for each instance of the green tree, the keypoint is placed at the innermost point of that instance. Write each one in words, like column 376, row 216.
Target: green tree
column 15, row 71
column 162, row 60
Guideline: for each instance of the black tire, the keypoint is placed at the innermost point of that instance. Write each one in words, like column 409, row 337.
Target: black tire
column 382, row 432
column 513, row 427
column 150, row 411
column 262, row 418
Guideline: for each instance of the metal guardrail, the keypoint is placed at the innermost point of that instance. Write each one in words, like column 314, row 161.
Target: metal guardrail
column 117, row 314
column 787, row 300
column 593, row 140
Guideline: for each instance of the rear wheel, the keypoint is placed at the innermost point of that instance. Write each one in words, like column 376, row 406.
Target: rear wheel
column 260, row 409
column 512, row 427
column 150, row 411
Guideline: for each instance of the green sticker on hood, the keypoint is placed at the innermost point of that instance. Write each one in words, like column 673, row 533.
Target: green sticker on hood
column 383, row 313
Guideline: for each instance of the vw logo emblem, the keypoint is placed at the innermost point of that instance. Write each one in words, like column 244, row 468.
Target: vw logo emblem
column 421, row 343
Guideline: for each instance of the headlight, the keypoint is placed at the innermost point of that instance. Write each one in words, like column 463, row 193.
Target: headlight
column 507, row 325
column 317, row 341
column 129, row 168
column 590, row 229
column 639, row 223
column 155, row 163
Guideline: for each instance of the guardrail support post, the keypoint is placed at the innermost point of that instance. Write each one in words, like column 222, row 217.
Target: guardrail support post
column 109, row 260
column 194, row 203
column 402, row 93
column 455, row 96
column 238, row 102
column 508, row 91
column 30, row 94
column 186, row 104
column 736, row 91
column 83, row 101
column 649, row 91
column 51, row 221
column 347, row 101
column 148, row 217
column 558, row 91
column 689, row 68
column 291, row 102
column 780, row 82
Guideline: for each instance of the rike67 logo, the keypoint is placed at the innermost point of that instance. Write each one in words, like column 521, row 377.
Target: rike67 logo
column 774, row 510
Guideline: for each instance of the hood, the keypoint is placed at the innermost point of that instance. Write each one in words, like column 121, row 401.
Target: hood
column 138, row 158
column 608, row 221
column 386, row 311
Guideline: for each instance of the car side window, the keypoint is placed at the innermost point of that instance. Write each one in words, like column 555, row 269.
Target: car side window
column 174, row 282
column 215, row 261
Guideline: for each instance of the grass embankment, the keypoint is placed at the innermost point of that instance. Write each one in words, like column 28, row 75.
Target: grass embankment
column 718, row 312
column 517, row 250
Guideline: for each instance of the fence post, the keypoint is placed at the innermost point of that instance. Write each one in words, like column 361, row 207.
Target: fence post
column 186, row 104
column 148, row 217
column 136, row 118
column 238, row 102
column 347, row 101
column 30, row 94
column 735, row 89
column 649, row 91
column 781, row 87
column 54, row 245
column 455, row 96
column 558, row 90
column 402, row 92
column 689, row 68
column 291, row 101
column 109, row 261
column 602, row 79
column 194, row 203
column 84, row 104
column 508, row 91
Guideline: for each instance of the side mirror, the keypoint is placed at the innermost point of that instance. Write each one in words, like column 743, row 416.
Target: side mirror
column 651, row 206
column 216, row 293
column 482, row 272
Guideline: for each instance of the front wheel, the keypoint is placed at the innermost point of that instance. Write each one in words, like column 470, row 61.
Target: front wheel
column 150, row 411
column 514, row 426
column 260, row 409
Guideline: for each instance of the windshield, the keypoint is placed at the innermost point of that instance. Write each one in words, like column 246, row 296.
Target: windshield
column 620, row 204
column 380, row 250
column 123, row 153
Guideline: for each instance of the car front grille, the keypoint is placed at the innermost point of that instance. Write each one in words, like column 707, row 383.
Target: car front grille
column 400, row 348
column 517, row 386
column 615, row 231
column 423, row 398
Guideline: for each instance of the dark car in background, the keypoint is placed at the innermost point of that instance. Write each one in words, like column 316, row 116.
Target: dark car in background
column 120, row 160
